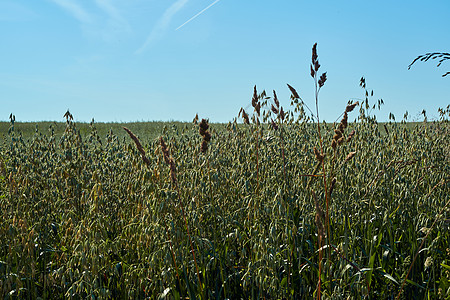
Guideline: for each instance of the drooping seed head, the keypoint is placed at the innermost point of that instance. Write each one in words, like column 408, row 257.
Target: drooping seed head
column 337, row 134
column 318, row 155
column 245, row 117
column 350, row 107
column 343, row 123
column 138, row 146
column 333, row 144
column 164, row 150
column 349, row 138
column 294, row 92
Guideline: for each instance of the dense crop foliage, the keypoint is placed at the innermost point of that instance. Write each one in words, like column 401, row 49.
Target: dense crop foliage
column 273, row 209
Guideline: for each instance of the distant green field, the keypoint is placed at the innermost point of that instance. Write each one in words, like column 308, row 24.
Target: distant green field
column 146, row 130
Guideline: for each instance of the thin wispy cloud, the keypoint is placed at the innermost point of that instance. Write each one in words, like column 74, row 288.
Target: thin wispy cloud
column 198, row 14
column 161, row 25
column 113, row 13
column 106, row 23
column 74, row 9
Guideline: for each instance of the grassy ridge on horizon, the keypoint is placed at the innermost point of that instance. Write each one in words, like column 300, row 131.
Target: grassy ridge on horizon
column 145, row 130
column 148, row 130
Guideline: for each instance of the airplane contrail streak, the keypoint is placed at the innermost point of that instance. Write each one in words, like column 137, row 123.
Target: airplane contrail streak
column 198, row 14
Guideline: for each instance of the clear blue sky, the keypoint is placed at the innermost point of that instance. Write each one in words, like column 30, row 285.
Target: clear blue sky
column 138, row 60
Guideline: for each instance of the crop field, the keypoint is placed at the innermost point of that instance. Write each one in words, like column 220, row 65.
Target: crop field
column 273, row 205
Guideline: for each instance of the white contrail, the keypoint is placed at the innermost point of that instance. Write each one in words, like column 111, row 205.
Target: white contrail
column 198, row 14
column 161, row 25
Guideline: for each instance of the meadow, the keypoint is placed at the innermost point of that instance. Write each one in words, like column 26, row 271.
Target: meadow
column 273, row 205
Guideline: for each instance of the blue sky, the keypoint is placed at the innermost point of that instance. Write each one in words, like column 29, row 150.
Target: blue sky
column 143, row 60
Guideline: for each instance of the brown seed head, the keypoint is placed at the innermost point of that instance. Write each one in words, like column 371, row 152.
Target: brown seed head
column 314, row 53
column 282, row 114
column 138, row 146
column 274, row 110
column 244, row 116
column 316, row 65
column 136, row 140
column 164, row 150
column 274, row 125
column 294, row 92
column 344, row 122
column 362, row 82
column 173, row 171
column 204, row 147
column 255, row 97
column 204, row 125
column 319, row 156
column 333, row 144
column 322, row 79
column 337, row 134
column 350, row 107
column 313, row 73
column 258, row 108
column 207, row 136
column 275, row 99
column 349, row 138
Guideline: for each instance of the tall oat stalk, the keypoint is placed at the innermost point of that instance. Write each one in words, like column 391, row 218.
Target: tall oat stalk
column 147, row 163
column 173, row 175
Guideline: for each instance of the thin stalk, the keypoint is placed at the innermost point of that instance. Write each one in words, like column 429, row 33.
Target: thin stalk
column 190, row 239
column 286, row 184
column 167, row 232
column 215, row 225
column 282, row 154
column 327, row 223
column 173, row 253
column 257, row 160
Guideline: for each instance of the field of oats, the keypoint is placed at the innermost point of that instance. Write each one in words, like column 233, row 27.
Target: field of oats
column 273, row 205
